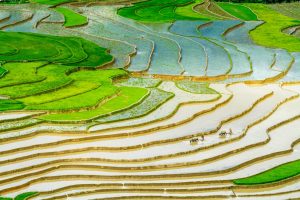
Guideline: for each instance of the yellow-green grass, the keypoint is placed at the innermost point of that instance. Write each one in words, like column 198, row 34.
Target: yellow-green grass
column 239, row 11
column 72, row 18
column 278, row 173
column 20, row 73
column 51, row 87
column 75, row 88
column 51, row 2
column 270, row 33
column 155, row 99
column 55, row 49
column 188, row 10
column 289, row 9
column 23, row 196
column 127, row 97
column 203, row 9
column 69, row 98
column 161, row 11
column 2, row 72
column 55, row 78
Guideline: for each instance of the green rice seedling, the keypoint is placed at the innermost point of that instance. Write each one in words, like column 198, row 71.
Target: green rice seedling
column 22, row 196
column 128, row 97
column 156, row 98
column 21, row 73
column 56, row 78
column 8, row 104
column 239, row 11
column 161, row 11
column 72, row 18
column 275, row 174
column 97, row 85
column 54, row 49
column 270, row 33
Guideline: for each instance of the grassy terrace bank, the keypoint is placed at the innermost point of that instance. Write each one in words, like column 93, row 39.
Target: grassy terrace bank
column 270, row 33
column 72, row 18
column 278, row 173
column 73, row 51
column 239, row 11
column 156, row 11
column 41, row 72
column 127, row 97
column 51, row 2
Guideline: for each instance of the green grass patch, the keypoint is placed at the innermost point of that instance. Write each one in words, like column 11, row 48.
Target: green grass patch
column 69, row 98
column 188, row 11
column 278, row 173
column 55, row 78
column 162, row 11
column 54, row 49
column 8, row 104
column 156, row 98
column 195, row 87
column 51, row 2
column 239, row 11
column 20, row 73
column 127, row 97
column 96, row 85
column 23, row 196
column 270, row 33
column 75, row 88
column 289, row 9
column 72, row 18
column 86, row 100
column 2, row 72
column 39, row 86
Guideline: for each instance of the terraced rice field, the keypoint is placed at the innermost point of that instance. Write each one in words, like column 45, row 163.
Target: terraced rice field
column 172, row 99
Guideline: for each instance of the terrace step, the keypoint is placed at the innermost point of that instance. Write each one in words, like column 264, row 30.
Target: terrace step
column 29, row 26
column 293, row 74
column 240, row 34
column 16, row 17
column 193, row 55
column 180, row 108
column 218, row 58
column 4, row 15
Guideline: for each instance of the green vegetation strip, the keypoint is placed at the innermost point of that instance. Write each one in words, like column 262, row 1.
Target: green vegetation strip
column 97, row 85
column 51, row 2
column 127, row 97
column 270, row 33
column 289, row 9
column 156, row 98
column 161, row 11
column 195, row 87
column 72, row 18
column 188, row 11
column 278, row 173
column 60, row 50
column 21, row 73
column 23, row 196
column 55, row 79
column 239, row 11
column 8, row 104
